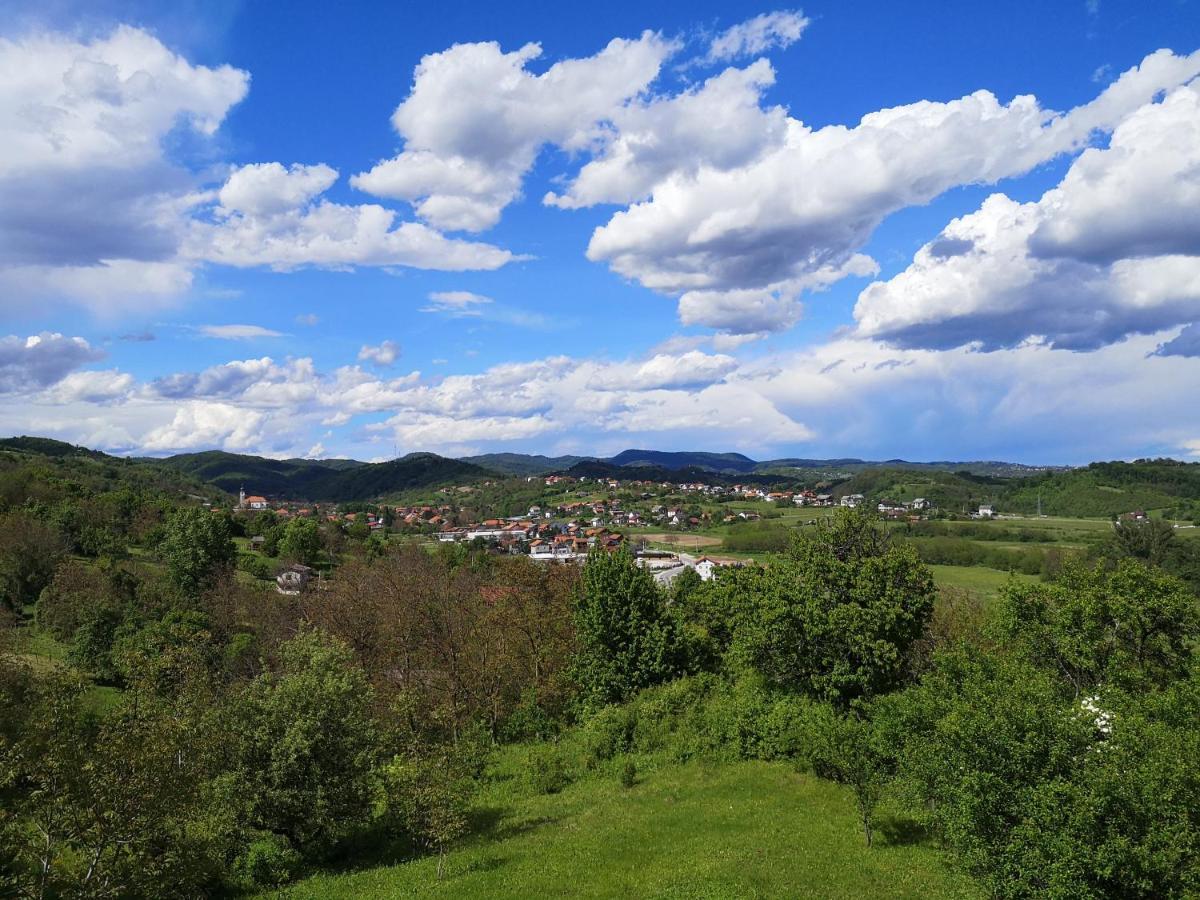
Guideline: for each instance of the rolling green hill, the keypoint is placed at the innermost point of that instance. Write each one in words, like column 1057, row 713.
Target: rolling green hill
column 1108, row 488
column 307, row 479
column 951, row 491
column 678, row 461
column 1098, row 490
column 523, row 463
column 704, row 829
column 41, row 469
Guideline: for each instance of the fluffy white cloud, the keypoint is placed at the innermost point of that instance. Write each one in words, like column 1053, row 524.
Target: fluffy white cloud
column 808, row 202
column 1031, row 402
column 88, row 199
column 1139, row 196
column 265, row 189
column 516, row 401
column 93, row 209
column 92, row 387
column 110, row 101
column 476, row 118
column 757, row 35
column 238, row 332
column 688, row 370
column 41, row 360
column 853, row 396
column 717, row 125
column 1113, row 250
column 207, row 424
column 384, row 354
column 107, row 288
column 275, row 216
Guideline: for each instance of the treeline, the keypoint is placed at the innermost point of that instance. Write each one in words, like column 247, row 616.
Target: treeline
column 956, row 551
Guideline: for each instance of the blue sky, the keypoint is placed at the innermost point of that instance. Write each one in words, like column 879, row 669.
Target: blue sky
column 923, row 230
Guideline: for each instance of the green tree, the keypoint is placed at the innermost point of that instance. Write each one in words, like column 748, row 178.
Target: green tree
column 426, row 794
column 1038, row 794
column 305, row 745
column 301, row 541
column 685, row 584
column 195, row 545
column 836, row 616
column 626, row 639
column 990, row 750
column 1147, row 539
column 848, row 747
column 106, row 805
column 1130, row 625
column 29, row 552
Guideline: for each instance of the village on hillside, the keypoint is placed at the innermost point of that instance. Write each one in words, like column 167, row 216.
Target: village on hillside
column 571, row 517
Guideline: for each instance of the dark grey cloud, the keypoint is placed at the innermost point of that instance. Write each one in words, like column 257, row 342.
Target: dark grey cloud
column 225, row 381
column 82, row 218
column 1152, row 230
column 42, row 360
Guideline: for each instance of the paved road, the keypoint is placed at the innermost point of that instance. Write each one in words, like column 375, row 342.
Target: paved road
column 666, row 576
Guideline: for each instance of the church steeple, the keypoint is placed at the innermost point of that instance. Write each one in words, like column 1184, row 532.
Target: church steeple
column 242, row 497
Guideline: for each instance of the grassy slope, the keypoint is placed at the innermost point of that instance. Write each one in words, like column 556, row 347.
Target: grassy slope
column 696, row 830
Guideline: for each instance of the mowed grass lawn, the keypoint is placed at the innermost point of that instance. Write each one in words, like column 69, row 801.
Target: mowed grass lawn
column 699, row 830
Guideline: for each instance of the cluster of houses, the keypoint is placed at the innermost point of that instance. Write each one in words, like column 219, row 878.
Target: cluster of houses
column 542, row 541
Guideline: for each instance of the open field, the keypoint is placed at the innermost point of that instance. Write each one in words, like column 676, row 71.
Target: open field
column 678, row 538
column 979, row 579
column 747, row 829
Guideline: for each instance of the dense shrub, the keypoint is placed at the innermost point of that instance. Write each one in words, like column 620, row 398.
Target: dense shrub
column 268, row 861
column 546, row 770
column 253, row 564
column 702, row 715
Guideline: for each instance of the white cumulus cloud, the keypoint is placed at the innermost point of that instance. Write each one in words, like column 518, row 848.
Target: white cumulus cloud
column 476, row 118
column 1113, row 250
column 754, row 36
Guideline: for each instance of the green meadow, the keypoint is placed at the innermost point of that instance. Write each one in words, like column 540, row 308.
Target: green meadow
column 696, row 830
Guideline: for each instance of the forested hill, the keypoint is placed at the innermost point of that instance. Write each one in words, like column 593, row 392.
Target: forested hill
column 1100, row 489
column 44, row 470
column 599, row 468
column 307, row 479
column 677, row 461
column 735, row 464
column 524, row 463
column 1109, row 488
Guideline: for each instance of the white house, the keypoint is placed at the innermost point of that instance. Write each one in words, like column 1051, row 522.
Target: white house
column 986, row 511
column 293, row 579
column 853, row 500
column 706, row 567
